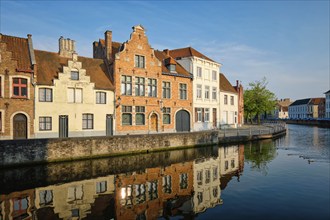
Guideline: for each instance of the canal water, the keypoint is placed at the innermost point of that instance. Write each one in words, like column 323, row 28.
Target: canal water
column 286, row 178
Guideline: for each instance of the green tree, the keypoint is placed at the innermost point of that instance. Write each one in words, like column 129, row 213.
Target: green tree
column 258, row 100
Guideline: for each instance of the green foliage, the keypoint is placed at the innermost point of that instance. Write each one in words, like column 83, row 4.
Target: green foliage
column 258, row 100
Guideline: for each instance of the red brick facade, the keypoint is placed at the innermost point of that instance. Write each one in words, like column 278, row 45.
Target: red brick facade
column 17, row 90
column 137, row 70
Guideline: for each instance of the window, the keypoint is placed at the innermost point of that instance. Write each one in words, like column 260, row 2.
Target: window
column 101, row 98
column 232, row 164
column 45, row 95
column 183, row 91
column 1, row 86
column 153, row 189
column 101, row 187
column 207, row 176
column 183, row 181
column 226, row 99
column 74, row 95
column 139, row 61
column 126, row 85
column 167, row 184
column 232, row 100
column 75, row 213
column 140, row 193
column 199, row 114
column 87, row 121
column 226, row 165
column 74, row 75
column 166, row 90
column 139, row 86
column 207, row 92
column 140, row 117
column 214, row 93
column 215, row 173
column 166, row 115
column 171, row 67
column 200, row 197
column 215, row 192
column 214, row 75
column 199, row 72
column 152, row 87
column 200, row 177
column 75, row 193
column 46, row 197
column 45, row 123
column 199, row 91
column 126, row 115
column 20, row 207
column 19, row 87
column 207, row 114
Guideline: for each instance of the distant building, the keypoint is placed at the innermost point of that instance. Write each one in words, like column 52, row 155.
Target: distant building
column 310, row 108
column 281, row 110
column 327, row 104
column 240, row 97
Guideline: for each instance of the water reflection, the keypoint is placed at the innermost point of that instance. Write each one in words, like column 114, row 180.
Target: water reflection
column 149, row 186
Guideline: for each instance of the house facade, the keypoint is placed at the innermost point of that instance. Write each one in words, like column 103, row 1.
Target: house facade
column 17, row 78
column 205, row 86
column 228, row 103
column 240, row 96
column 327, row 104
column 74, row 95
column 316, row 108
column 299, row 109
column 153, row 93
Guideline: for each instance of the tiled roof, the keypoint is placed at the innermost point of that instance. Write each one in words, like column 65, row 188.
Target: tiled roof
column 180, row 71
column 49, row 64
column 301, row 102
column 20, row 51
column 284, row 103
column 225, row 84
column 188, row 52
column 317, row 101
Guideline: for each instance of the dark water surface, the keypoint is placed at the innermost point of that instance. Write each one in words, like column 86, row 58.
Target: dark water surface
column 286, row 178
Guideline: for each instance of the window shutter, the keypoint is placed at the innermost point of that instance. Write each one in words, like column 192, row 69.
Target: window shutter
column 70, row 95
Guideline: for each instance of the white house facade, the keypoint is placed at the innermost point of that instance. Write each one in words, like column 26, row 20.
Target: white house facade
column 73, row 96
column 299, row 109
column 205, row 86
column 228, row 105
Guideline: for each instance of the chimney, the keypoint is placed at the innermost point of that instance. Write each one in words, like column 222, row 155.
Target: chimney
column 67, row 47
column 31, row 50
column 108, row 44
column 167, row 52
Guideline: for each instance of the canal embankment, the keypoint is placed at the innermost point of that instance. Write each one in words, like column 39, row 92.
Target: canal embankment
column 38, row 151
column 311, row 122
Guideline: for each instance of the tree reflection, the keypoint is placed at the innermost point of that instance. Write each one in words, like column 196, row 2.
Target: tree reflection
column 259, row 154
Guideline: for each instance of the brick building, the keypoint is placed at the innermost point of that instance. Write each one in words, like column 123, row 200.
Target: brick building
column 17, row 77
column 153, row 93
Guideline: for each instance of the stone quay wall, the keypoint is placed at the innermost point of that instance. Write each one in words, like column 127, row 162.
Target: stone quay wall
column 37, row 151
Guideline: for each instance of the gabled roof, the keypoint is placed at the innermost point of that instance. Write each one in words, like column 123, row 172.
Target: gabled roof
column 327, row 92
column 301, row 102
column 225, row 84
column 180, row 71
column 284, row 103
column 20, row 51
column 49, row 64
column 188, row 52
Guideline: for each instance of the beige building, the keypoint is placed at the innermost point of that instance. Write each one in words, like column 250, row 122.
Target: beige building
column 74, row 95
column 282, row 109
column 73, row 200
column 228, row 103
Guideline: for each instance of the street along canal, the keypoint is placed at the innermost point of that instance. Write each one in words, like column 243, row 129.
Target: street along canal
column 285, row 178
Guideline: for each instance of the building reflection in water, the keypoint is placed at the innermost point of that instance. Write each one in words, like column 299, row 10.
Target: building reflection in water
column 180, row 189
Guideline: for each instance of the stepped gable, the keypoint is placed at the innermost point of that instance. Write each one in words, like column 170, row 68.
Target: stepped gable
column 225, row 84
column 50, row 64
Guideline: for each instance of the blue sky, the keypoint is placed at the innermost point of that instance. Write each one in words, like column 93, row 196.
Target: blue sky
column 285, row 41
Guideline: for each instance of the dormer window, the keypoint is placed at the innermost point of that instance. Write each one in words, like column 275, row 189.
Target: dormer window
column 74, row 75
column 171, row 67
